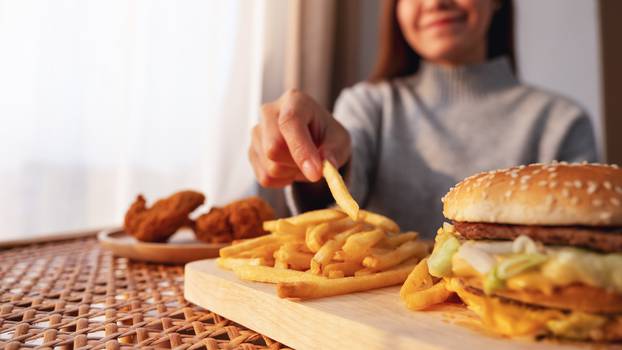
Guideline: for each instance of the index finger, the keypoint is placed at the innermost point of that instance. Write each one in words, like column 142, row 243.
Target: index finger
column 294, row 126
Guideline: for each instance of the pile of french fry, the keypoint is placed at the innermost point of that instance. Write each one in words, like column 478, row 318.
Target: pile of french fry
column 327, row 252
column 420, row 291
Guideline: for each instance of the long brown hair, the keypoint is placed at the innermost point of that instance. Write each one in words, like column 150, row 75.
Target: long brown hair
column 396, row 58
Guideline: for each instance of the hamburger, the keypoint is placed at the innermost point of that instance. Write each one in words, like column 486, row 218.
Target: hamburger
column 537, row 250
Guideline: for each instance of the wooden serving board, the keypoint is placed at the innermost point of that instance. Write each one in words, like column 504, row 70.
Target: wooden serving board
column 369, row 320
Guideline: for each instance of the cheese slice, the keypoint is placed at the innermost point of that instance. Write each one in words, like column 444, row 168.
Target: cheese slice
column 531, row 281
column 503, row 318
column 519, row 321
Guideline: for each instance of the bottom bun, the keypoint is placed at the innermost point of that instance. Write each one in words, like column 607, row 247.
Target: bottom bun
column 517, row 319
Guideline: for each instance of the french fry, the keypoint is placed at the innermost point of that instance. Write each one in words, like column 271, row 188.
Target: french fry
column 294, row 259
column 357, row 246
column 272, row 275
column 341, row 224
column 316, row 236
column 376, row 250
column 231, row 263
column 247, row 245
column 270, row 225
column 325, row 254
column 420, row 292
column 314, row 267
column 364, row 272
column 348, row 268
column 280, row 264
column 264, row 251
column 405, row 251
column 298, row 262
column 340, row 192
column 322, row 287
column 336, row 274
column 343, row 236
column 299, row 246
column 285, row 227
column 418, row 279
column 396, row 240
column 340, row 256
column 423, row 299
column 378, row 220
column 315, row 217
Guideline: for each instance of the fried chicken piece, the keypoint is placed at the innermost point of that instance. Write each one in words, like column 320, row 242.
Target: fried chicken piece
column 264, row 209
column 164, row 218
column 245, row 220
column 238, row 220
column 213, row 227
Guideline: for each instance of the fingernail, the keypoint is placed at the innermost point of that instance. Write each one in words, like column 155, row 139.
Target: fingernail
column 309, row 170
column 332, row 160
column 328, row 156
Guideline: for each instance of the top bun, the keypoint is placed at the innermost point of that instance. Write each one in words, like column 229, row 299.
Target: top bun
column 540, row 194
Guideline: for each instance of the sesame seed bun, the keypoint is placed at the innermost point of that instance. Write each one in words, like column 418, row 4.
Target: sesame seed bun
column 540, row 194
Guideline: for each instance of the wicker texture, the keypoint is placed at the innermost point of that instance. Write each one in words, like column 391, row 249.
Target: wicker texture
column 75, row 295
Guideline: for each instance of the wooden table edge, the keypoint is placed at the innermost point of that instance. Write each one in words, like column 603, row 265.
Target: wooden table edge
column 54, row 237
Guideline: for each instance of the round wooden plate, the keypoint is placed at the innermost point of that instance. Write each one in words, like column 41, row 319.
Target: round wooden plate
column 182, row 247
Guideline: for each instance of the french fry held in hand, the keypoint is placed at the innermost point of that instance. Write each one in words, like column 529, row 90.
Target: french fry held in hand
column 327, row 252
column 338, row 188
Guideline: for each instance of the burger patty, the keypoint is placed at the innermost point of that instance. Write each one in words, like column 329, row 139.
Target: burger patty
column 603, row 239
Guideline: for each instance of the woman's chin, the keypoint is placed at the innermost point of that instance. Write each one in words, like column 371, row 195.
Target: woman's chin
column 446, row 51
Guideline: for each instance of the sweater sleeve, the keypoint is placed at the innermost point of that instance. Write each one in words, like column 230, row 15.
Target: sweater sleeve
column 358, row 109
column 568, row 135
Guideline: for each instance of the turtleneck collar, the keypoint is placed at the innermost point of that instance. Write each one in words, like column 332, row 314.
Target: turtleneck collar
column 451, row 84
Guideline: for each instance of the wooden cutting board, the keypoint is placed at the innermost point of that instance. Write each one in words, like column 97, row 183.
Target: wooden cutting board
column 370, row 320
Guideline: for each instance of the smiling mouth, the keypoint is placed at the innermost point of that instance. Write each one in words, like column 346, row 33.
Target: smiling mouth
column 445, row 21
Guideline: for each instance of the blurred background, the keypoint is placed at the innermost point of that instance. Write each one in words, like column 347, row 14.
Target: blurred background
column 101, row 100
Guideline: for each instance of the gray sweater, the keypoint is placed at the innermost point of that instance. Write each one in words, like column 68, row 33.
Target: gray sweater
column 415, row 137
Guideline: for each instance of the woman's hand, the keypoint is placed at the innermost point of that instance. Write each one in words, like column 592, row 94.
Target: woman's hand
column 293, row 137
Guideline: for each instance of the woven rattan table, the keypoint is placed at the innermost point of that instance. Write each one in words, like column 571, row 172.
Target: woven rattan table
column 73, row 294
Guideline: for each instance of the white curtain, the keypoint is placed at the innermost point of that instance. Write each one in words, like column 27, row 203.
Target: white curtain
column 101, row 100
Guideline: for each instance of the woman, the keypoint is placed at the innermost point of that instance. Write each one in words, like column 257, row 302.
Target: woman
column 443, row 104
